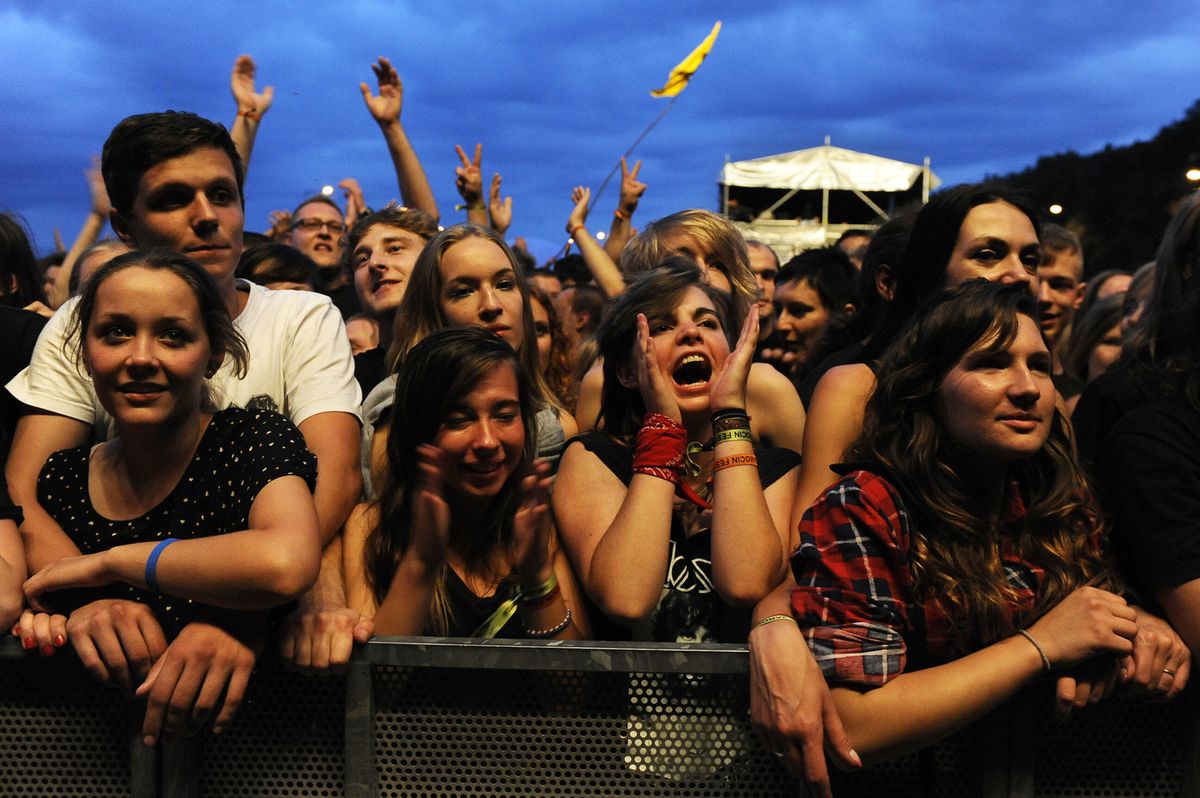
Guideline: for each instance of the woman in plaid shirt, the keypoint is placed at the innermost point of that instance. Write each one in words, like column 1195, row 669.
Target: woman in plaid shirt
column 960, row 560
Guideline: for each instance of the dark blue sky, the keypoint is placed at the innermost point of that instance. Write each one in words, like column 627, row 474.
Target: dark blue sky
column 556, row 91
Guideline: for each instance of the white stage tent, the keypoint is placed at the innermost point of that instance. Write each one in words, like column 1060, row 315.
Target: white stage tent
column 825, row 169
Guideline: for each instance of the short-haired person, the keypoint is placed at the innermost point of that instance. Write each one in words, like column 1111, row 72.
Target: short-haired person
column 1060, row 281
column 815, row 294
column 381, row 250
column 854, row 244
column 175, row 181
column 318, row 229
column 278, row 267
column 764, row 263
column 580, row 308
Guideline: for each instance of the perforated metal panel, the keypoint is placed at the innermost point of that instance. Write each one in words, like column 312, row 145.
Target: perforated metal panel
column 514, row 733
column 461, row 718
column 509, row 731
column 286, row 741
column 1120, row 748
column 62, row 733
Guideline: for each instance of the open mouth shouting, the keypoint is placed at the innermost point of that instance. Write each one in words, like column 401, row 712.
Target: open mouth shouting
column 692, row 371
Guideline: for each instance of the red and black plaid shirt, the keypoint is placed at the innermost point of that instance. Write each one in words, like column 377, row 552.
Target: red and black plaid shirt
column 854, row 596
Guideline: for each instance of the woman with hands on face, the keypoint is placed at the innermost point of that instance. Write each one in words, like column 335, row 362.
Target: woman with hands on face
column 958, row 560
column 675, row 519
column 460, row 541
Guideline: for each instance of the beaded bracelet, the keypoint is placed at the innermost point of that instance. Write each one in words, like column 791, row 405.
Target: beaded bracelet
column 553, row 630
column 721, row 463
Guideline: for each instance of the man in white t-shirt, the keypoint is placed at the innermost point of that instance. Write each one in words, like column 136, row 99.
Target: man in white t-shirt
column 175, row 181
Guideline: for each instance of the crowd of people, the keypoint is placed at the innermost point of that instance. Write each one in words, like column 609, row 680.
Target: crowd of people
column 916, row 470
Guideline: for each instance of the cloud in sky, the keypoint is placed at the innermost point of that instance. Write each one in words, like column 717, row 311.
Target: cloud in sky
column 557, row 91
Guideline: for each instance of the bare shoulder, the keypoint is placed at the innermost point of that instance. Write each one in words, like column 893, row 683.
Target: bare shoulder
column 773, row 403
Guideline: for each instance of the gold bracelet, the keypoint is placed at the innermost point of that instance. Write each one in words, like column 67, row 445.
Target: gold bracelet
column 721, row 463
column 774, row 618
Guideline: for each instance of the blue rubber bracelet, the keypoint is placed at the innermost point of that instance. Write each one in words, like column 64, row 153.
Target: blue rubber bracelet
column 152, row 564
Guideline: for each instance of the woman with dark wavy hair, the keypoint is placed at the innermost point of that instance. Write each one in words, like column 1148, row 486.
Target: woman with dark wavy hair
column 958, row 559
column 974, row 230
column 460, row 542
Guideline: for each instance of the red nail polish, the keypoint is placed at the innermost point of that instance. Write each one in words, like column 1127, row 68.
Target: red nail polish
column 29, row 642
column 48, row 650
column 59, row 640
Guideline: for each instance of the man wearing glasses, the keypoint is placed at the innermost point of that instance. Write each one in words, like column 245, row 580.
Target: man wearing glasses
column 317, row 231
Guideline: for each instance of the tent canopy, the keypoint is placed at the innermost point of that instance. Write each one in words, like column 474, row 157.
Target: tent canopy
column 825, row 167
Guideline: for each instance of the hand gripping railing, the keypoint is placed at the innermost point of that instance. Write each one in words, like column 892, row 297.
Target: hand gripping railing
column 451, row 717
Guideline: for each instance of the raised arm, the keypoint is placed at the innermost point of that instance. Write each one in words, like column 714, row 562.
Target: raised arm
column 749, row 527
column 617, row 537
column 405, row 607
column 268, row 564
column 468, row 179
column 251, row 106
column 385, row 109
column 356, row 204
column 622, row 224
column 499, row 211
column 602, row 267
column 92, row 225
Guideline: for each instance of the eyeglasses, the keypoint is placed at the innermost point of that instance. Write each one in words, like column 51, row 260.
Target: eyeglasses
column 312, row 225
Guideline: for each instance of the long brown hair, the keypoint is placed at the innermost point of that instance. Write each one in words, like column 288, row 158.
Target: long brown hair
column 437, row 372
column 420, row 312
column 955, row 548
column 560, row 371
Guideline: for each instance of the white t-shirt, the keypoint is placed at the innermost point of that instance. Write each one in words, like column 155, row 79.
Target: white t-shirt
column 300, row 363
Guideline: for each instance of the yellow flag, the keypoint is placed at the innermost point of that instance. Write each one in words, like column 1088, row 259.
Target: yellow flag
column 684, row 70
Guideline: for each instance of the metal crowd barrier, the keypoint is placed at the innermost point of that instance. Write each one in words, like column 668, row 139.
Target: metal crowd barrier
column 434, row 717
